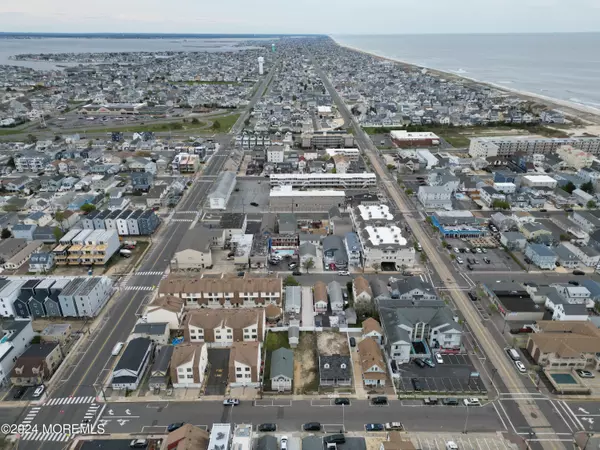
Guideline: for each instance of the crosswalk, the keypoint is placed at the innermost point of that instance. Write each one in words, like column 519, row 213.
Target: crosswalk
column 91, row 412
column 69, row 401
column 31, row 415
column 156, row 272
column 40, row 436
column 182, row 220
column 137, row 288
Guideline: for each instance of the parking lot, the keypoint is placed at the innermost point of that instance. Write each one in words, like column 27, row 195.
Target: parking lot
column 9, row 395
column 499, row 260
column 450, row 377
column 475, row 442
column 218, row 371
column 249, row 196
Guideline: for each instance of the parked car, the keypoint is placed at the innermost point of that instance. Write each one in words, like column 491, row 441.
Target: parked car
column 486, row 260
column 352, row 342
column 459, row 260
column 394, row 426
column 284, row 441
column 419, row 362
column 231, row 402
column 266, row 427
column 20, row 393
column 381, row 400
column 456, row 250
column 439, row 358
column 483, row 250
column 344, row 273
column 578, row 272
column 520, row 366
column 311, row 426
column 117, row 348
column 429, row 362
column 472, row 296
column 430, row 401
column 296, row 273
column 337, row 438
column 39, row 390
column 450, row 401
column 253, row 204
column 584, row 373
column 416, row 384
column 341, row 401
column 175, row 426
column 471, row 402
column 138, row 443
column 573, row 282
column 374, row 427
column 292, row 265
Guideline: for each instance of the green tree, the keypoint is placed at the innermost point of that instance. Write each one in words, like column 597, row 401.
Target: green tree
column 290, row 281
column 5, row 233
column 569, row 187
column 334, row 170
column 216, row 125
column 391, row 166
column 90, row 144
column 564, row 237
column 195, row 121
column 409, row 191
column 500, row 204
column 308, row 264
column 87, row 208
column 57, row 232
column 31, row 139
column 588, row 187
column 376, row 267
column 591, row 204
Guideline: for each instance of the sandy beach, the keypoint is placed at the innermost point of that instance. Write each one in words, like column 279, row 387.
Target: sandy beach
column 586, row 114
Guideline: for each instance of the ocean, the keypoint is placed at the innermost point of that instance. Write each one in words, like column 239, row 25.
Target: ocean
column 563, row 66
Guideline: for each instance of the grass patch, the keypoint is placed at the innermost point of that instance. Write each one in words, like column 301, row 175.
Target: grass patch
column 225, row 122
column 155, row 127
column 192, row 82
column 276, row 340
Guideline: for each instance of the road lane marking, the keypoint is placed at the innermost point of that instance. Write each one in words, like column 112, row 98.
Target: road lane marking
column 499, row 416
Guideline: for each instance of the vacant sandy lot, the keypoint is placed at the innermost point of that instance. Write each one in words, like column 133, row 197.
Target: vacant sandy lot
column 305, row 364
column 331, row 343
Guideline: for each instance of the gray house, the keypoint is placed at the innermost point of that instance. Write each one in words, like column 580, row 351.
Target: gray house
column 132, row 365
column 513, row 240
column 334, row 253
column 336, row 299
column 293, row 299
column 282, row 369
column 542, row 256
column 566, row 257
column 335, row 370
column 412, row 288
column 159, row 372
column 22, row 231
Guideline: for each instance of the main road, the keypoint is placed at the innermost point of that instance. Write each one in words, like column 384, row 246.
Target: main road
column 530, row 413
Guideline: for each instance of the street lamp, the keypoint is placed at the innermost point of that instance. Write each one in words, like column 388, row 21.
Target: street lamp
column 466, row 420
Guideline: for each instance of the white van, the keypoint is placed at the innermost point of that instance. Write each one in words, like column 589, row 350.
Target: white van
column 514, row 355
column 451, row 445
column 117, row 348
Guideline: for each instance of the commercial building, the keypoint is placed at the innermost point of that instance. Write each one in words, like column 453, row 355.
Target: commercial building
column 221, row 190
column 112, row 109
column 285, row 198
column 223, row 292
column 574, row 157
column 325, row 180
column 504, row 146
column 406, row 139
column 351, row 154
column 539, row 181
column 327, row 139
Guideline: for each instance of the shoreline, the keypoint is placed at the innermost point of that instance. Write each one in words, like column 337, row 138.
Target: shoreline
column 586, row 114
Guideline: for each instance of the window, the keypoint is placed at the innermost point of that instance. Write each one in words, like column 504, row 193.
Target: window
column 238, row 369
column 189, row 369
column 180, row 369
column 190, row 377
column 239, row 375
column 247, row 369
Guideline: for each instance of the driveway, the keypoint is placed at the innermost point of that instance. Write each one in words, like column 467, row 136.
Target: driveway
column 218, row 359
column 308, row 316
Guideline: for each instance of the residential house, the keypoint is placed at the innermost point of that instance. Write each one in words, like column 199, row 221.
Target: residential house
column 141, row 181
column 336, row 299
column 282, row 369
column 160, row 370
column 372, row 329
column 293, row 299
column 36, row 365
column 307, row 251
column 417, row 329
column 589, row 256
column 533, row 230
column 334, row 253
column 165, row 309
column 489, row 195
column 435, row 197
column 132, row 365
column 513, row 240
column 560, row 344
column 16, row 337
column 244, row 364
column 23, row 255
column 541, row 255
column 565, row 257
column 569, row 312
column 156, row 332
column 335, row 370
column 352, row 244
column 224, row 327
column 195, row 248
column 320, row 298
column 188, row 437
column 188, row 365
column 412, row 288
column 370, row 356
column 585, row 220
column 361, row 290
column 38, row 218
column 22, row 231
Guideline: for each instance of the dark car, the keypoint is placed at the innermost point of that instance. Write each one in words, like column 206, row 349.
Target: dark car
column 312, row 426
column 352, row 342
column 20, row 393
column 450, row 401
column 419, row 362
column 381, row 400
column 430, row 401
column 342, row 401
column 334, row 439
column 374, row 427
column 266, row 427
column 574, row 283
column 253, row 204
column 543, row 210
column 296, row 273
column 175, row 426
column 569, row 209
column 416, row 384
column 241, row 274
column 578, row 272
column 472, row 296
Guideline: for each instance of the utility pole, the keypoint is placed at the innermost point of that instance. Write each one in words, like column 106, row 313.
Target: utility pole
column 466, row 421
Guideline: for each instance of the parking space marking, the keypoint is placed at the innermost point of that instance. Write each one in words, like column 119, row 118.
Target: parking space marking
column 321, row 403
column 334, row 428
column 272, row 403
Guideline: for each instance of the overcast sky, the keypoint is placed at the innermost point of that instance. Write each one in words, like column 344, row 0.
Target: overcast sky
column 301, row 16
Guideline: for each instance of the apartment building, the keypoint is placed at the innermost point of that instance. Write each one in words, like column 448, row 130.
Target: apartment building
column 351, row 154
column 437, row 197
column 504, row 146
column 244, row 364
column 325, row 180
column 223, row 292
column 221, row 190
column 221, row 328
column 189, row 365
column 31, row 162
column 142, row 222
column 87, row 247
column 327, row 139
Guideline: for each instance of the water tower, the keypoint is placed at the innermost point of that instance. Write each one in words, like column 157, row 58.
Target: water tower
column 261, row 62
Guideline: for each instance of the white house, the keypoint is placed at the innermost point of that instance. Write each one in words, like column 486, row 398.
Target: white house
column 166, row 309
column 435, row 197
column 570, row 312
column 188, row 365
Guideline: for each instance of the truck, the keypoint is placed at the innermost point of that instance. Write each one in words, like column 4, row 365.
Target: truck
column 125, row 253
column 397, row 426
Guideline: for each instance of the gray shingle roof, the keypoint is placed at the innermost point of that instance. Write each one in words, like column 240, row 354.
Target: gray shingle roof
column 282, row 363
